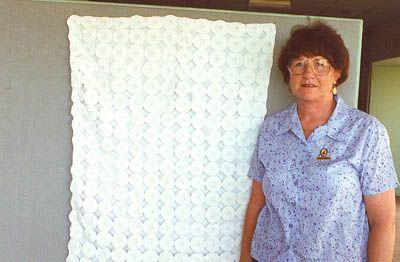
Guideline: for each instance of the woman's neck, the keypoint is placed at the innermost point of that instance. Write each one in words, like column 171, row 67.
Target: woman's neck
column 314, row 114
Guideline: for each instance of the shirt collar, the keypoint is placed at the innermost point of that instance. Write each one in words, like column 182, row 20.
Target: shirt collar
column 289, row 122
column 331, row 128
column 337, row 120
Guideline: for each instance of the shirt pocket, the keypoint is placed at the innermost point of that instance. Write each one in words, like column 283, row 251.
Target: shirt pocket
column 332, row 181
column 279, row 183
column 344, row 178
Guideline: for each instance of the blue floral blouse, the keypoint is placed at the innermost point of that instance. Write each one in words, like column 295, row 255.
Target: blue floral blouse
column 314, row 187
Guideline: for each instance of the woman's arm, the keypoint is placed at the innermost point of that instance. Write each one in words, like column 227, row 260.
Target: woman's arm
column 381, row 211
column 256, row 203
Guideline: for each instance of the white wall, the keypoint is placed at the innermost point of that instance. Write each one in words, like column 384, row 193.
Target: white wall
column 35, row 119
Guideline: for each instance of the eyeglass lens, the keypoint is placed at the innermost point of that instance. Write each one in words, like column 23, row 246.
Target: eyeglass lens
column 319, row 66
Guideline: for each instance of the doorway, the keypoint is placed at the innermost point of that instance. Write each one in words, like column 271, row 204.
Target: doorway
column 385, row 102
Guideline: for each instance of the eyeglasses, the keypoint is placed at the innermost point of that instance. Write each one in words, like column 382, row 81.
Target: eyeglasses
column 320, row 66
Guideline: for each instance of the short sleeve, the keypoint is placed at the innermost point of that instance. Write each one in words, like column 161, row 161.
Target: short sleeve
column 378, row 173
column 256, row 170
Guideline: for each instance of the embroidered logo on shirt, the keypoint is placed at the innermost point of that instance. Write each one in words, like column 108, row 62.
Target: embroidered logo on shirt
column 323, row 155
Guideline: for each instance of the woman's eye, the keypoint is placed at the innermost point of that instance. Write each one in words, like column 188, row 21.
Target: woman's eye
column 321, row 64
column 298, row 64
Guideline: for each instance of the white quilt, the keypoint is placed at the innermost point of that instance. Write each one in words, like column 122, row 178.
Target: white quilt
column 166, row 111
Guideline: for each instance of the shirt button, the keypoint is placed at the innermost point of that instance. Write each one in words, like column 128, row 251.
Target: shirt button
column 290, row 225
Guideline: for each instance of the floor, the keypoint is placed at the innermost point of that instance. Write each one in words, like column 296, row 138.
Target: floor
column 397, row 242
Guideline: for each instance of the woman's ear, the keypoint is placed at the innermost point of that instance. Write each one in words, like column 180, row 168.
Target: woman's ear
column 337, row 75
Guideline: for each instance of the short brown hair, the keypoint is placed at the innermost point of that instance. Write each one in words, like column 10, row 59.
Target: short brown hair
column 316, row 39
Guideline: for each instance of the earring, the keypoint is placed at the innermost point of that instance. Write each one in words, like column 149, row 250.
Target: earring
column 334, row 90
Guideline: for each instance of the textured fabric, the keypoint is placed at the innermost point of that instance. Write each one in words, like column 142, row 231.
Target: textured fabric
column 166, row 112
column 314, row 208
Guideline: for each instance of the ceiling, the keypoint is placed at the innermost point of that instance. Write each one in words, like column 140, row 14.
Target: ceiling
column 389, row 62
column 373, row 12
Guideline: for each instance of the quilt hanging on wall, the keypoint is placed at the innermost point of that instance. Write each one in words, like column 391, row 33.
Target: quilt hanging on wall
column 166, row 111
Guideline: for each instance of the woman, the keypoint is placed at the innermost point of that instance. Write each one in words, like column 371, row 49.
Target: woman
column 323, row 175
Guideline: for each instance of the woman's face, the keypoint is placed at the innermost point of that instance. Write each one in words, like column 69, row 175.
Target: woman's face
column 312, row 78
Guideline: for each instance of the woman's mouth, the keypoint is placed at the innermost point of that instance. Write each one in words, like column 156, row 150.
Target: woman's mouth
column 308, row 85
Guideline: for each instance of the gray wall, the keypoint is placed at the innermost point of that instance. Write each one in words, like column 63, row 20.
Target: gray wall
column 35, row 120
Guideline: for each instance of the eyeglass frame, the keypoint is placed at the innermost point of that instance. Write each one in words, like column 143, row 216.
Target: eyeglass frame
column 312, row 67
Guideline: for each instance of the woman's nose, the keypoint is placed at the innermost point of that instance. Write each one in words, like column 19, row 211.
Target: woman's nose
column 308, row 72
